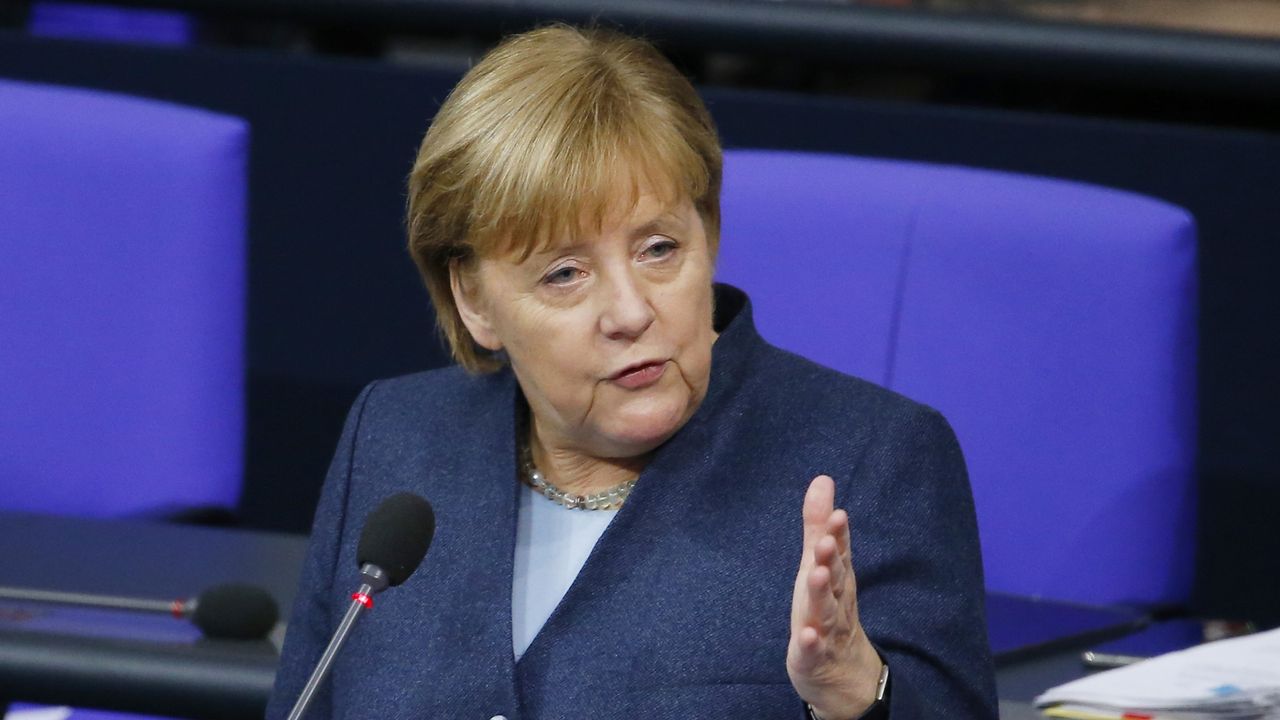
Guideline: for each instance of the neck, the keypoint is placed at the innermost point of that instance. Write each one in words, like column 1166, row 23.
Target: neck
column 580, row 473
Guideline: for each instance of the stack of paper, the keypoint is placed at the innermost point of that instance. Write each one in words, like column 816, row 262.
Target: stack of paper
column 1236, row 678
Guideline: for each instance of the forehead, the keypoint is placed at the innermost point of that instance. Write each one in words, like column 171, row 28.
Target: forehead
column 632, row 204
column 643, row 221
column 647, row 209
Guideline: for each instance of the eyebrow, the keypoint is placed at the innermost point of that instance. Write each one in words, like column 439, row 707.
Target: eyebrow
column 663, row 221
column 659, row 223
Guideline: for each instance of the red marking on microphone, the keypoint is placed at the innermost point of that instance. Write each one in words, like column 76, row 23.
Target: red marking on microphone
column 363, row 599
column 176, row 607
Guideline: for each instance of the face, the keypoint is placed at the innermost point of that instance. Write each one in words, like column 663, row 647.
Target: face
column 609, row 335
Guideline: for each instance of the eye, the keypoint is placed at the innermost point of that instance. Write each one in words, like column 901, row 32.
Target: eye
column 660, row 248
column 562, row 276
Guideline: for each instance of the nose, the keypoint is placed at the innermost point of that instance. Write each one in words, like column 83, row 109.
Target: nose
column 627, row 310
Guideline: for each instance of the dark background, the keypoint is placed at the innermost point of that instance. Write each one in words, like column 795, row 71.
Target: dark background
column 335, row 302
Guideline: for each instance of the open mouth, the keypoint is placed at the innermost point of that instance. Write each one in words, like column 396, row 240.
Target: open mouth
column 641, row 375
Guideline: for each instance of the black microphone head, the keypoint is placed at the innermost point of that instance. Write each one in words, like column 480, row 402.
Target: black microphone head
column 235, row 612
column 396, row 536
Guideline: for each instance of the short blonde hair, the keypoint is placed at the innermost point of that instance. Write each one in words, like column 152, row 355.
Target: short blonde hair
column 545, row 137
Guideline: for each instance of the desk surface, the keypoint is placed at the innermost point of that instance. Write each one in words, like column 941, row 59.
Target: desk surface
column 156, row 665
column 144, row 559
column 128, row 661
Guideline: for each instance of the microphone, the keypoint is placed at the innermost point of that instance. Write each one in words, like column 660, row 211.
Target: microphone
column 233, row 611
column 393, row 542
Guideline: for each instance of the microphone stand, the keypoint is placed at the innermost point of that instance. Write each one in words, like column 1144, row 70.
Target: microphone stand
column 114, row 602
column 373, row 580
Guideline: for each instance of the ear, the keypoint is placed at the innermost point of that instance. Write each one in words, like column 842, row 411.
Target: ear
column 472, row 307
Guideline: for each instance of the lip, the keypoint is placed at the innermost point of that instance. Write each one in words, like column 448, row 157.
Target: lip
column 640, row 375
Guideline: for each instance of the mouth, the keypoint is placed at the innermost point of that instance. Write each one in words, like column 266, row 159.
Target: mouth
column 640, row 375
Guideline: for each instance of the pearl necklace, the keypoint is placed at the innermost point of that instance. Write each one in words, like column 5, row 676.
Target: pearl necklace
column 610, row 499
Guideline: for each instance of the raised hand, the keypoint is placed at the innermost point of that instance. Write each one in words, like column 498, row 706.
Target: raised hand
column 831, row 662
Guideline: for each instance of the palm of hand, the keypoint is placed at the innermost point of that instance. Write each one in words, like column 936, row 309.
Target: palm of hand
column 831, row 662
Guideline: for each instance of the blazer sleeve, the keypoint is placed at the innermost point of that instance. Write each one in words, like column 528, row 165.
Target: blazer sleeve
column 312, row 620
column 919, row 569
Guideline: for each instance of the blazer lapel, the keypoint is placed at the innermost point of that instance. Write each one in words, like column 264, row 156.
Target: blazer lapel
column 462, row 603
column 673, row 482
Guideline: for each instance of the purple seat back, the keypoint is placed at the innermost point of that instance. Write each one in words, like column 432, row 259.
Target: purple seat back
column 1053, row 323
column 51, row 18
column 122, row 288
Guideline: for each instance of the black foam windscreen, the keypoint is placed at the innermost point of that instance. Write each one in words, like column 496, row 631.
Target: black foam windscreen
column 235, row 612
column 396, row 536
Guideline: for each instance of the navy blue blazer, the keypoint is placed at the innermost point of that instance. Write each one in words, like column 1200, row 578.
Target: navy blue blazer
column 683, row 608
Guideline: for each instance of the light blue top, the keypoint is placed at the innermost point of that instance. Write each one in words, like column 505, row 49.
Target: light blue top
column 552, row 544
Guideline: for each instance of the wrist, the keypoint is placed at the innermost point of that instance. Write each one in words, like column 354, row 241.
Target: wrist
column 870, row 705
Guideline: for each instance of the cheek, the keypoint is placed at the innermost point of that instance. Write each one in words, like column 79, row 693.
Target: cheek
column 551, row 340
column 551, row 351
column 697, row 367
column 695, row 337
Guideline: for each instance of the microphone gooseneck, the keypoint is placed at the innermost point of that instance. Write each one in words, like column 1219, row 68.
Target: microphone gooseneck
column 395, row 538
column 233, row 611
column 106, row 602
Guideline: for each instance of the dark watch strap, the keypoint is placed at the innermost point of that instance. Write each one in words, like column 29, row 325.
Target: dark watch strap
column 879, row 708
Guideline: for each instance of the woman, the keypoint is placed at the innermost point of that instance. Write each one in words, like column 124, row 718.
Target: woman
column 636, row 494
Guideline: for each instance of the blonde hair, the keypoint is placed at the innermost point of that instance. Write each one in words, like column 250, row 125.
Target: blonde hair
column 551, row 132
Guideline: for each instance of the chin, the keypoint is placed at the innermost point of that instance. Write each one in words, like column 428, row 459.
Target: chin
column 638, row 433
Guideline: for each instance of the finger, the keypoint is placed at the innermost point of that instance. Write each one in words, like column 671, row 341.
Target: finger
column 840, row 579
column 822, row 606
column 842, row 564
column 810, row 640
column 819, row 501
column 844, row 539
column 838, row 527
column 826, row 551
column 827, row 554
column 809, row 644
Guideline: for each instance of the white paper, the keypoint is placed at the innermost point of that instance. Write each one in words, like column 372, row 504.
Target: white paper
column 1234, row 678
column 43, row 713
